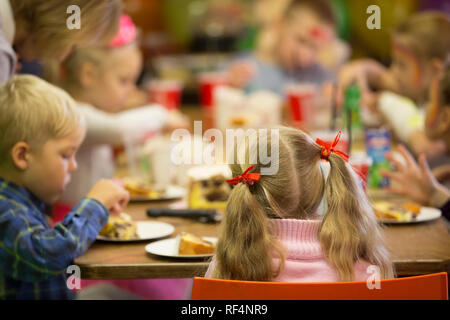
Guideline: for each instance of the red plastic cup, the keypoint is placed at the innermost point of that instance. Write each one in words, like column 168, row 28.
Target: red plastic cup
column 208, row 82
column 329, row 135
column 361, row 164
column 301, row 100
column 166, row 93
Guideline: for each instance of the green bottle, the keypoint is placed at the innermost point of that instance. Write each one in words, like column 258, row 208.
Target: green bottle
column 352, row 117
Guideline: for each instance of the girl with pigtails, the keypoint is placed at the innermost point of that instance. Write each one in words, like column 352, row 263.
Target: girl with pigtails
column 272, row 230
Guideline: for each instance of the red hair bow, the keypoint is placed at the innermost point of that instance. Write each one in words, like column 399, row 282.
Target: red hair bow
column 248, row 178
column 327, row 149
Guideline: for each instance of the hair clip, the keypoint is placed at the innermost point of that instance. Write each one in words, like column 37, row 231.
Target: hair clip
column 126, row 34
column 326, row 149
column 248, row 178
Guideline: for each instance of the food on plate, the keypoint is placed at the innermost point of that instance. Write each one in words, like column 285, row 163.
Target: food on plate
column 208, row 188
column 386, row 210
column 190, row 244
column 138, row 188
column 121, row 227
column 412, row 207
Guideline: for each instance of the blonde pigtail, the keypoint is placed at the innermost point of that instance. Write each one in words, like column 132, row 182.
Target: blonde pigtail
column 349, row 230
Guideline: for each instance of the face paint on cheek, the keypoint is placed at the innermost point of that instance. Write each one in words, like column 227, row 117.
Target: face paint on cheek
column 411, row 59
column 433, row 111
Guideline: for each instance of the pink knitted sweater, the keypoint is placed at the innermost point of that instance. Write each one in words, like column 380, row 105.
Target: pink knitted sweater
column 304, row 260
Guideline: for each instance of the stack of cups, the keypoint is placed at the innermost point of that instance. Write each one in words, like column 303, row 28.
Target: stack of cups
column 301, row 101
column 166, row 92
column 208, row 82
column 361, row 163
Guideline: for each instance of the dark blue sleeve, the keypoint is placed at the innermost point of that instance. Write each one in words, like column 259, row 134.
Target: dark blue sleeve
column 32, row 252
column 446, row 210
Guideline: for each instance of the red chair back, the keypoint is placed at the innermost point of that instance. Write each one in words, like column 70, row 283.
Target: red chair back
column 426, row 287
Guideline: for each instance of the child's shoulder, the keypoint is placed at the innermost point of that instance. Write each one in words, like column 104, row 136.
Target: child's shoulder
column 11, row 209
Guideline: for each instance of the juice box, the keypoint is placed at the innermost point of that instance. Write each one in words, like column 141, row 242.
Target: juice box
column 378, row 143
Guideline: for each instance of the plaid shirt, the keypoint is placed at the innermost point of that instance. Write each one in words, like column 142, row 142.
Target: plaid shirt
column 34, row 256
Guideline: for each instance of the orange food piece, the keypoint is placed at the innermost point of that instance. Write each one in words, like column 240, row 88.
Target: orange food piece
column 412, row 207
column 193, row 245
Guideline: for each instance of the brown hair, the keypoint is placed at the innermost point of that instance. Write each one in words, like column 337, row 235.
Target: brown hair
column 320, row 7
column 349, row 230
column 46, row 23
column 444, row 87
column 426, row 34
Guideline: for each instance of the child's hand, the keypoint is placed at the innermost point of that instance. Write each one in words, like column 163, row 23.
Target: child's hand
column 111, row 195
column 414, row 180
column 176, row 120
column 240, row 74
column 363, row 72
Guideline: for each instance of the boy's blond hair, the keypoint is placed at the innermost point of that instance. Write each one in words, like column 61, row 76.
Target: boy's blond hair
column 34, row 111
column 46, row 22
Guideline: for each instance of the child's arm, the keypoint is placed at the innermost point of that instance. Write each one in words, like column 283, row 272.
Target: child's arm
column 31, row 252
column 7, row 59
column 240, row 74
column 369, row 73
column 107, row 128
column 408, row 122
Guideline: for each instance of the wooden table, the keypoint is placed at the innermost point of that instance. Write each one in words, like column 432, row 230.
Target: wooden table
column 415, row 249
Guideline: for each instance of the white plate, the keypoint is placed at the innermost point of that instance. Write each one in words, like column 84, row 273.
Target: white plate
column 169, row 248
column 172, row 192
column 426, row 214
column 146, row 230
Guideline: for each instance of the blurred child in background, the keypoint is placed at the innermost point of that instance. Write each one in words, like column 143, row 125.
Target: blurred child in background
column 417, row 181
column 288, row 48
column 418, row 53
column 41, row 131
column 272, row 230
column 100, row 80
column 38, row 29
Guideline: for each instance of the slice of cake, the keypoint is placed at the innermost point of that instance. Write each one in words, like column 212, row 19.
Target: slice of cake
column 208, row 188
column 189, row 244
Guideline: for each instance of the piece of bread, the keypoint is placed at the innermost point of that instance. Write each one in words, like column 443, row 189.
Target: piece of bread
column 120, row 227
column 190, row 244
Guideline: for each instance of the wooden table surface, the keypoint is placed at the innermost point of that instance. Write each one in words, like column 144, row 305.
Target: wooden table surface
column 415, row 249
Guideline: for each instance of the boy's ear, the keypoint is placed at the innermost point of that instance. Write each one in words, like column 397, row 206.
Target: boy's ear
column 88, row 75
column 20, row 154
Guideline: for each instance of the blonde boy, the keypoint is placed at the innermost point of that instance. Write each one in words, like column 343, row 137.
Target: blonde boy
column 40, row 132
